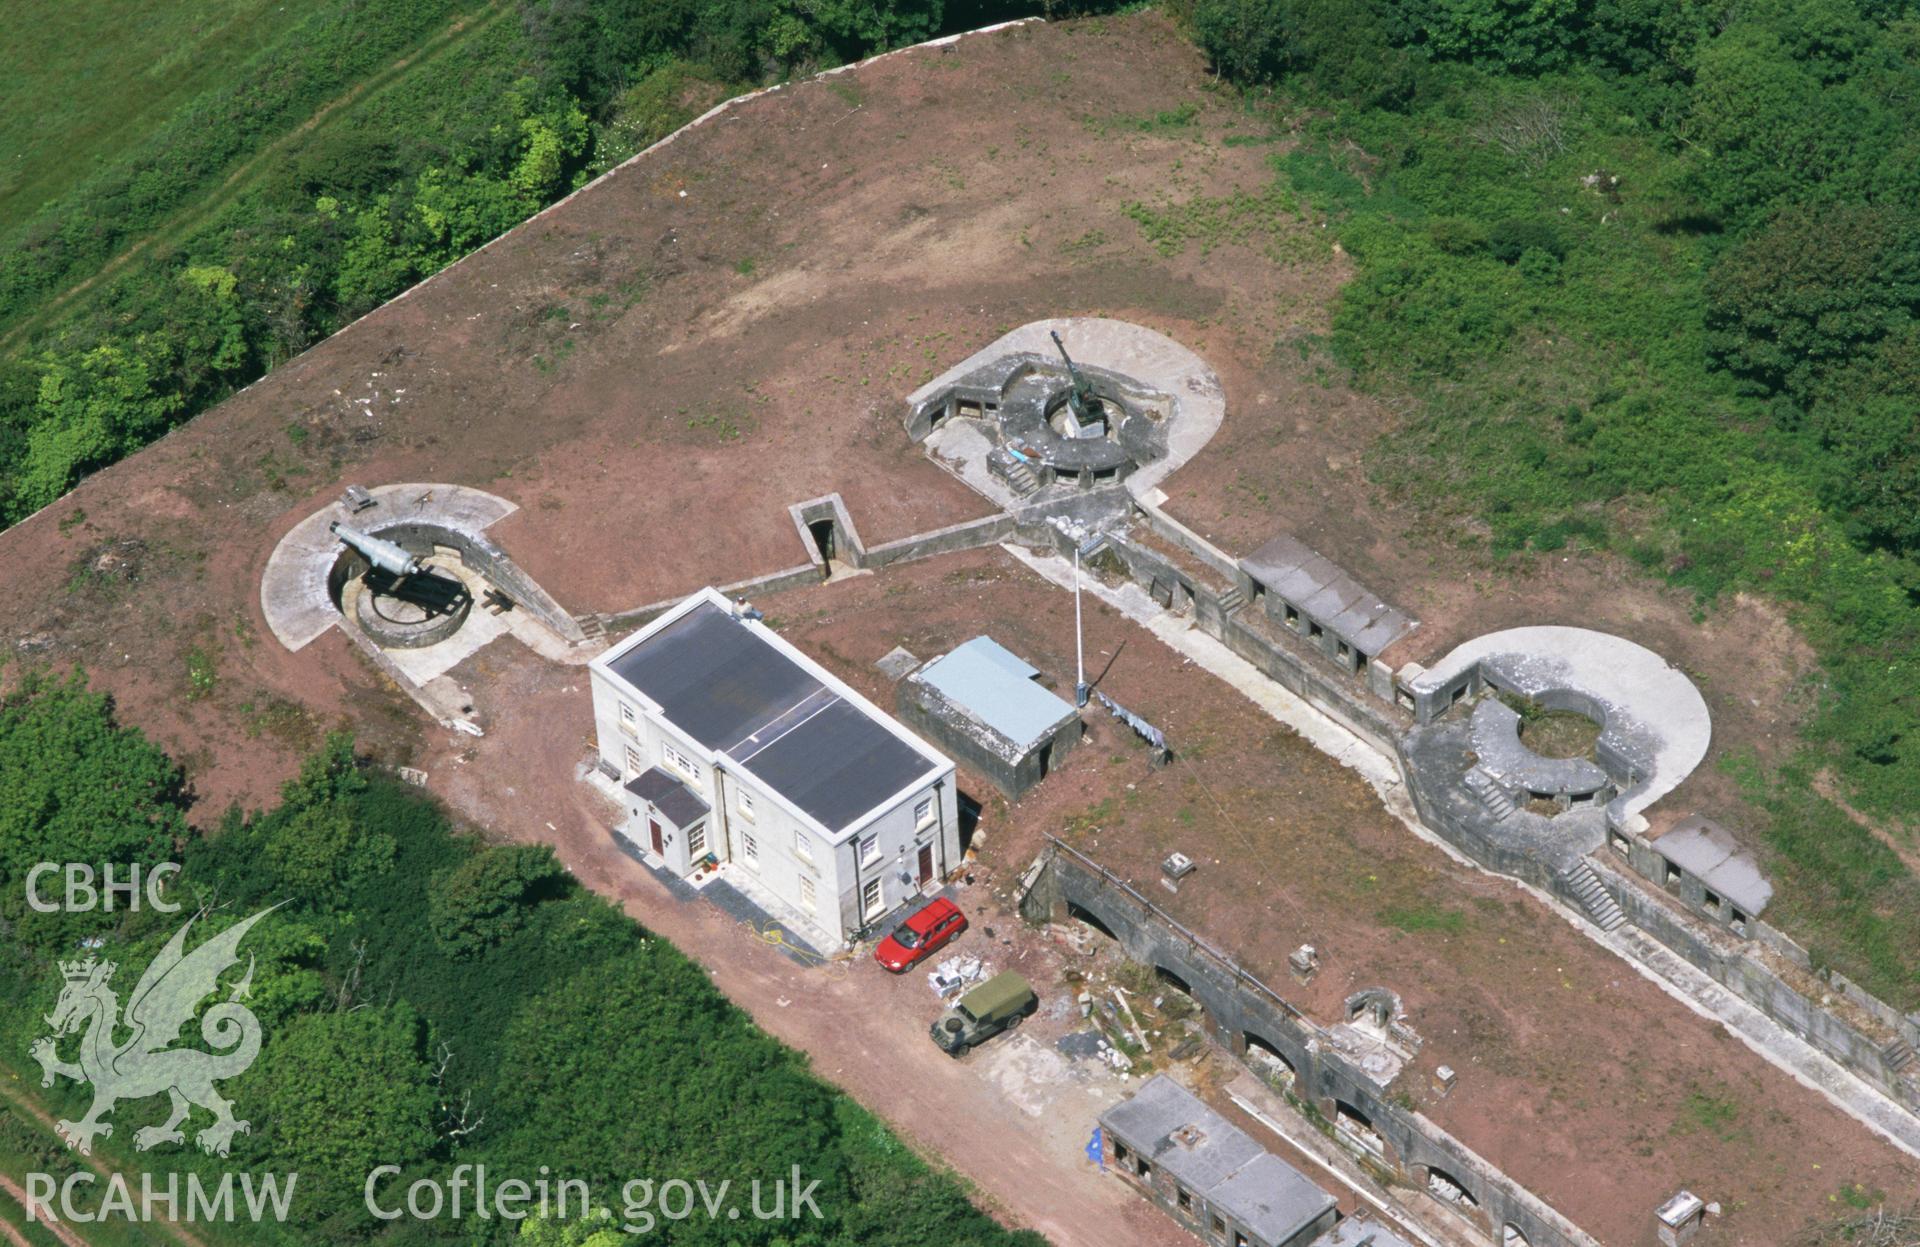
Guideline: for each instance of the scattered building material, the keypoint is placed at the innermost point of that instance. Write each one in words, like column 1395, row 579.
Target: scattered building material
column 956, row 974
column 896, row 662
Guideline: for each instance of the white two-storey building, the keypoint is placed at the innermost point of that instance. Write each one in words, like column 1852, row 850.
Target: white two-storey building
column 732, row 745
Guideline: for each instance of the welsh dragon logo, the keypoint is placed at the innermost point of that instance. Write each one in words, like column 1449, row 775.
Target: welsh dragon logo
column 146, row 1064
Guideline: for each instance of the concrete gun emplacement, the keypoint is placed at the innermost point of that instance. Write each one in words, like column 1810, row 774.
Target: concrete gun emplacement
column 386, row 556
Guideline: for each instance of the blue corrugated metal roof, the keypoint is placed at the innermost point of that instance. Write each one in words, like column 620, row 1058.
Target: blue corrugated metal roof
column 998, row 688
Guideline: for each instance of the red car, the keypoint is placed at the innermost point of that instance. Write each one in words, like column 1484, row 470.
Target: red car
column 925, row 931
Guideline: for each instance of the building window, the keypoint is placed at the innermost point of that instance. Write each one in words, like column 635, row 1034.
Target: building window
column 696, row 841
column 870, row 898
column 802, row 848
column 1712, row 900
column 744, row 800
column 1292, row 615
column 629, row 722
column 1219, row 1225
column 1141, row 1167
column 869, row 849
column 750, row 849
column 923, row 812
column 806, row 894
column 688, row 768
column 1314, row 629
column 635, row 763
column 1119, row 1150
column 1183, row 1197
column 1738, row 921
column 1673, row 874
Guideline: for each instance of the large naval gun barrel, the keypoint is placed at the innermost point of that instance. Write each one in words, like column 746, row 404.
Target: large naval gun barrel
column 388, row 556
column 1080, row 397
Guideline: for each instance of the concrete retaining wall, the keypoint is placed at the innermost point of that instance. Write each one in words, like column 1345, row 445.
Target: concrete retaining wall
column 971, row 535
column 1751, row 980
column 1339, row 695
column 491, row 562
column 1242, row 1012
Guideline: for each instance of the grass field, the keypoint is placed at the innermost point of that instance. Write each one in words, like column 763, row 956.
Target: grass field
column 85, row 81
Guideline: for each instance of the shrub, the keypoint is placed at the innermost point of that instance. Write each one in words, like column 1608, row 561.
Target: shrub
column 1510, row 239
column 487, row 897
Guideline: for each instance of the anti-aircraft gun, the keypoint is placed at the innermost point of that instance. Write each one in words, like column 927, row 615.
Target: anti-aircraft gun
column 1080, row 398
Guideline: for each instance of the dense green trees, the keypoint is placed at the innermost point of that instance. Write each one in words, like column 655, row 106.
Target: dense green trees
column 486, row 898
column 77, row 787
column 440, row 1003
column 340, row 1093
column 1811, row 290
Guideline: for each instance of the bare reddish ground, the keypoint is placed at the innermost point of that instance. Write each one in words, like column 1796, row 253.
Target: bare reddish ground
column 655, row 375
column 1580, row 1078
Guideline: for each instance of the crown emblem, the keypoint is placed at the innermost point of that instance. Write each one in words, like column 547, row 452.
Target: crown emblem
column 81, row 971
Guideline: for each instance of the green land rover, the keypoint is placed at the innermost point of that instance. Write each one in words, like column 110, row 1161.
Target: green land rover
column 999, row 1004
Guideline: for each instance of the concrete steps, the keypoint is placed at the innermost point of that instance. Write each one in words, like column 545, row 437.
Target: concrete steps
column 1021, row 477
column 1491, row 794
column 1231, row 602
column 1899, row 1055
column 594, row 628
column 1598, row 902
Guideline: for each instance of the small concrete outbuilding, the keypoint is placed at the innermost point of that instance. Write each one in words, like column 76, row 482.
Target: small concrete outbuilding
column 984, row 705
column 1213, row 1178
column 1705, row 866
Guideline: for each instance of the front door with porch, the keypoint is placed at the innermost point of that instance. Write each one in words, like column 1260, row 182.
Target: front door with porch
column 659, row 841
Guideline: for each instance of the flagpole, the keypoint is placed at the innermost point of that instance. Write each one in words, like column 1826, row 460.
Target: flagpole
column 1079, row 641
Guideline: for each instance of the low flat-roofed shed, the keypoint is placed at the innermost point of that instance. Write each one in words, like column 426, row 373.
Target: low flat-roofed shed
column 986, row 705
column 1269, row 1201
column 1708, row 852
column 1320, row 590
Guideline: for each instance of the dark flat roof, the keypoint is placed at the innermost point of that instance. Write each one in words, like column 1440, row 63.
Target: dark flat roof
column 733, row 692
